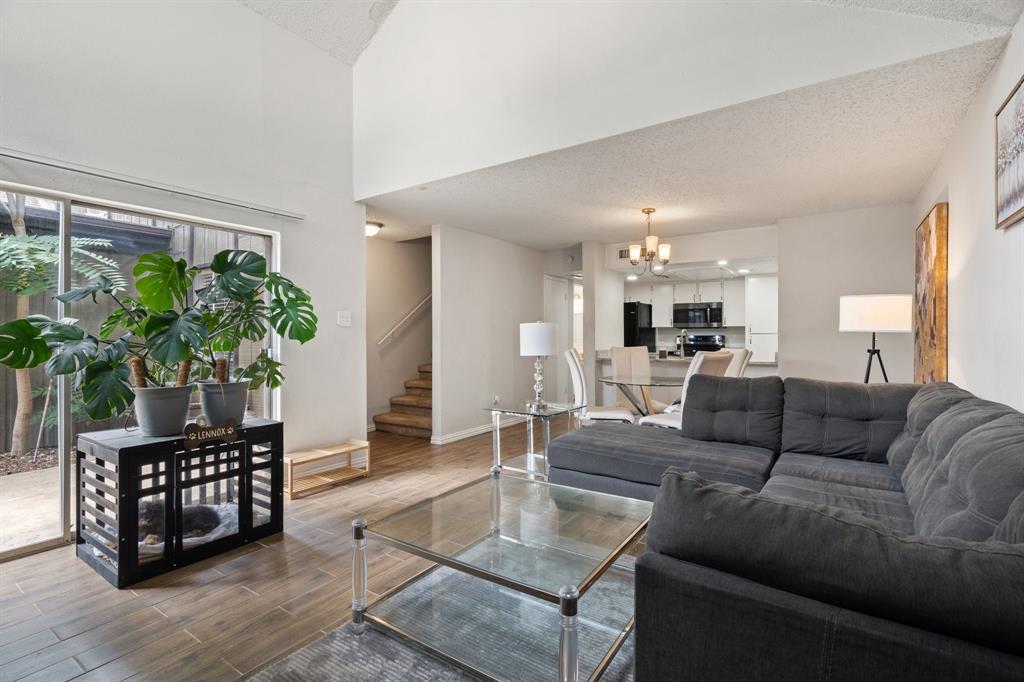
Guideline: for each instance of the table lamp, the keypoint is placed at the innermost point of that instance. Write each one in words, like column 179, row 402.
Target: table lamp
column 537, row 339
column 880, row 313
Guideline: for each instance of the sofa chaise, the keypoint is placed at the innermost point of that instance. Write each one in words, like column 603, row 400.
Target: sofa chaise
column 807, row 530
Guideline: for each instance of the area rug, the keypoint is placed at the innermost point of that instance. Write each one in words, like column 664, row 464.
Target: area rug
column 344, row 655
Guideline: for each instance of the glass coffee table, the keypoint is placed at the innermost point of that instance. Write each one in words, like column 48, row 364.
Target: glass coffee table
column 530, row 578
column 534, row 463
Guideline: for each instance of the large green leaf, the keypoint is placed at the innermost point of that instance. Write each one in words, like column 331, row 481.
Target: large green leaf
column 293, row 318
column 106, row 390
column 72, row 355
column 128, row 318
column 239, row 272
column 171, row 337
column 162, row 281
column 95, row 286
column 280, row 286
column 114, row 352
column 22, row 345
column 249, row 319
column 261, row 371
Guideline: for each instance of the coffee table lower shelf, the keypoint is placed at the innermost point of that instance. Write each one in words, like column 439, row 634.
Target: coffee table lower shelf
column 498, row 633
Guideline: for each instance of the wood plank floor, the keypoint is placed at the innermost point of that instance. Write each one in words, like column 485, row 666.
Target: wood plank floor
column 230, row 615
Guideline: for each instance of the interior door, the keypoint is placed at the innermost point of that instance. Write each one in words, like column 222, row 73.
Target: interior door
column 558, row 309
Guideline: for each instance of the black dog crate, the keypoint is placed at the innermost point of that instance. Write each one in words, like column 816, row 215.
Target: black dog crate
column 149, row 505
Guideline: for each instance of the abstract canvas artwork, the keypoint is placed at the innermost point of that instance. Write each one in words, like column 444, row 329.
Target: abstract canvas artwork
column 930, row 312
column 1010, row 158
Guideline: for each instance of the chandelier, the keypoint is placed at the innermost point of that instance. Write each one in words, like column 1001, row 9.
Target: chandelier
column 650, row 256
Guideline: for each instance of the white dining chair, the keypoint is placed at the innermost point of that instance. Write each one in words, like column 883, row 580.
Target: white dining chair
column 707, row 363
column 738, row 365
column 634, row 362
column 579, row 392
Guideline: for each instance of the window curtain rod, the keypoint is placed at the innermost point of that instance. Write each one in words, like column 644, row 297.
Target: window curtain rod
column 138, row 182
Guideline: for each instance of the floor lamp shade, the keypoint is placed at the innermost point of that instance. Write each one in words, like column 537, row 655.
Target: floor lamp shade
column 876, row 313
column 537, row 339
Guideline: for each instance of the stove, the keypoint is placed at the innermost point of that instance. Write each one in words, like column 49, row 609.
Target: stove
column 705, row 342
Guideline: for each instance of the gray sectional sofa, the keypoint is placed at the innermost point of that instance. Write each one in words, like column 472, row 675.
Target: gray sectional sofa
column 810, row 530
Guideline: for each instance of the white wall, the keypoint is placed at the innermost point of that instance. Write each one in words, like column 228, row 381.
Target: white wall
column 986, row 266
column 484, row 288
column 209, row 96
column 397, row 278
column 603, row 295
column 821, row 257
column 491, row 82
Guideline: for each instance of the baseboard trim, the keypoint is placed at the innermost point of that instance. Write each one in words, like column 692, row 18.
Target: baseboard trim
column 473, row 431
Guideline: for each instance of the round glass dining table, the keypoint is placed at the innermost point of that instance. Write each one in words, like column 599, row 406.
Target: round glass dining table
column 626, row 384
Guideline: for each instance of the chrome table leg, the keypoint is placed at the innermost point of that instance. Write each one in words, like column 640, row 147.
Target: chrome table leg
column 568, row 641
column 358, row 574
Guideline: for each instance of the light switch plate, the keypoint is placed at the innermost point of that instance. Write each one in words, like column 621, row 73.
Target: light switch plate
column 344, row 318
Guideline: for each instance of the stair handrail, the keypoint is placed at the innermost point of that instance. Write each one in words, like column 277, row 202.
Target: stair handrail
column 408, row 316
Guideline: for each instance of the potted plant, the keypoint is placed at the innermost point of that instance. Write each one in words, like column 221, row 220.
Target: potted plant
column 143, row 352
column 239, row 304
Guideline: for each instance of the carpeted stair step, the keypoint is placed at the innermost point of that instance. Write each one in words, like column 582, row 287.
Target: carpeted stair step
column 415, row 425
column 412, row 404
column 419, row 386
column 426, row 371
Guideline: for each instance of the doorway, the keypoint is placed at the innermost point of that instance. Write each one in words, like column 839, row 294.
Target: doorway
column 558, row 310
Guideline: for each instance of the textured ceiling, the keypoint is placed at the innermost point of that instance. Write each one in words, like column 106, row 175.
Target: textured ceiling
column 340, row 27
column 865, row 140
column 985, row 12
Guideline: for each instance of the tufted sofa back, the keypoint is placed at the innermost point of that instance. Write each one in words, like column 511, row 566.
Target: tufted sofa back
column 834, row 419
column 965, row 477
column 932, row 400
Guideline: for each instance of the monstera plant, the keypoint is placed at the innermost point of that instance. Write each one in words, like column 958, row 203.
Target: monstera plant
column 155, row 343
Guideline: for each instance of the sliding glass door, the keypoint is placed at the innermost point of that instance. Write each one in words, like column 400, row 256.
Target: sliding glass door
column 30, row 472
column 41, row 417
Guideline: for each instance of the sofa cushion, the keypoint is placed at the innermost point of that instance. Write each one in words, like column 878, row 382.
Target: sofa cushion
column 641, row 454
column 835, row 470
column 735, row 410
column 968, row 590
column 967, row 472
column 927, row 404
column 834, row 419
column 887, row 507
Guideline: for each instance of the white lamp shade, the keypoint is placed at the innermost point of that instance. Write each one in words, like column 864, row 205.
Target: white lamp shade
column 664, row 252
column 651, row 244
column 876, row 313
column 634, row 252
column 537, row 339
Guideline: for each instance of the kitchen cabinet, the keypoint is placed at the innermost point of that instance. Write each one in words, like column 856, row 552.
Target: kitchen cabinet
column 763, row 347
column 762, row 310
column 637, row 291
column 710, row 292
column 686, row 292
column 762, row 304
column 734, row 303
column 661, row 302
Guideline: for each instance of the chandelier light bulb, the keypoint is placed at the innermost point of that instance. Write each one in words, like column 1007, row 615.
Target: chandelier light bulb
column 634, row 254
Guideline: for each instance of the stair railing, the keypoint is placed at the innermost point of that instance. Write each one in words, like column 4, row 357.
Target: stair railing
column 408, row 316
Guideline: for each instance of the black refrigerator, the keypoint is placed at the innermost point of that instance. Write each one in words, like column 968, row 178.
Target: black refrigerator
column 637, row 330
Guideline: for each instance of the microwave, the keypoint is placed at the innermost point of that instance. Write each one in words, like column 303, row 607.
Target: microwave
column 697, row 315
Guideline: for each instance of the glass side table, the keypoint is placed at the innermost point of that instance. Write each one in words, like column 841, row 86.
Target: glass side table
column 532, row 463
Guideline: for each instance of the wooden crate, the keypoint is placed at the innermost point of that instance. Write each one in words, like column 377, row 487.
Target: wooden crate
column 344, row 469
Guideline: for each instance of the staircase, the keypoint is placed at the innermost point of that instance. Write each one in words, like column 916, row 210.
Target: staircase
column 410, row 413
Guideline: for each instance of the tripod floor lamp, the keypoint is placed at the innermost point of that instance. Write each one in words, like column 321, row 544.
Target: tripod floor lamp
column 877, row 314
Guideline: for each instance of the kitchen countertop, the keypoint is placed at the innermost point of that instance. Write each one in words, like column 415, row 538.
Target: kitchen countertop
column 606, row 356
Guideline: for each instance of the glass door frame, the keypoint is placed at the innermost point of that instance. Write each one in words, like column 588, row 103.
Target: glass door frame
column 64, row 421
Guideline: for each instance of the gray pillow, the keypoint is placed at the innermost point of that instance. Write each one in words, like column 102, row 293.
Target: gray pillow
column 969, row 590
column 927, row 404
column 838, row 419
column 734, row 410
